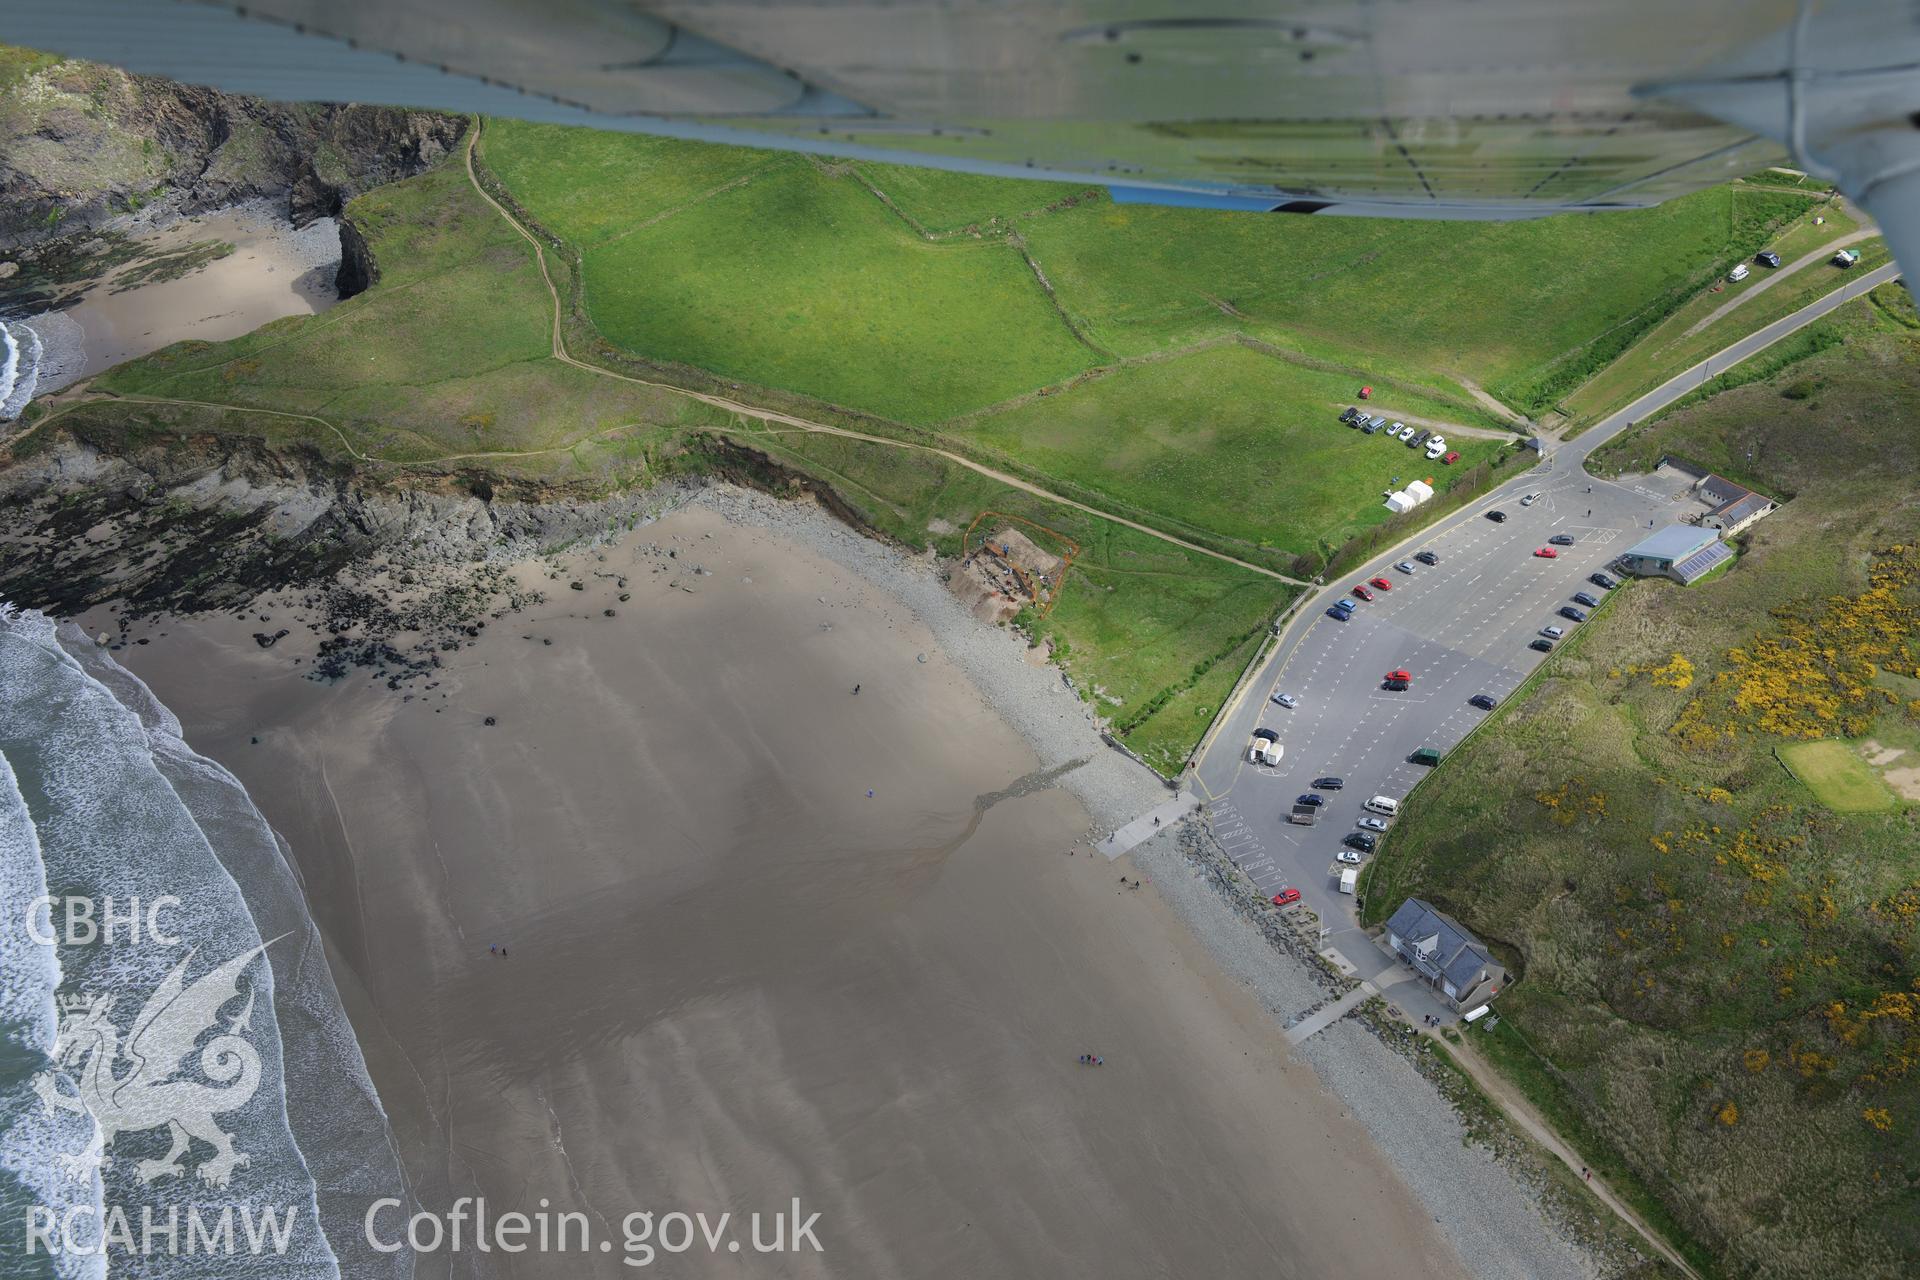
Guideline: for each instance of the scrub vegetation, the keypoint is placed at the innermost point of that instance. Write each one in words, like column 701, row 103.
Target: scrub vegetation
column 1694, row 837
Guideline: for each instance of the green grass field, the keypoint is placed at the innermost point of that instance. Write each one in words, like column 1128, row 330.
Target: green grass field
column 1228, row 441
column 1716, row 969
column 1838, row 777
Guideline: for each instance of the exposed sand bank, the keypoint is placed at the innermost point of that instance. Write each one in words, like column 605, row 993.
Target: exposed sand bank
column 273, row 271
column 734, row 978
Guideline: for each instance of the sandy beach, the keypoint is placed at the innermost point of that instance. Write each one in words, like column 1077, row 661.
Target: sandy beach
column 734, row 978
column 274, row 271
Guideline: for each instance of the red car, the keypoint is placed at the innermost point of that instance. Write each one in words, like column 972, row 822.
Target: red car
column 1381, row 584
column 1451, row 458
column 1547, row 553
column 1286, row 897
column 1363, row 593
column 1400, row 675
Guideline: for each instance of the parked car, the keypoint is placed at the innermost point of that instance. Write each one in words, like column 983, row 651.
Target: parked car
column 1364, row 841
column 1286, row 700
column 1767, row 258
column 1400, row 431
column 1329, row 784
column 1310, row 799
column 1286, row 897
column 1347, row 856
column 1428, row 756
column 1434, row 450
column 1542, row 646
column 1483, row 701
column 1400, row 675
column 1602, row 581
column 1582, row 598
column 1405, row 566
column 1370, row 426
column 1498, row 517
column 1561, row 539
column 1572, row 614
column 1361, row 591
column 1419, row 438
column 1427, row 557
column 1740, row 272
column 1396, row 686
column 1381, row 584
column 1372, row 823
column 1450, row 459
column 1546, row 553
column 1553, row 633
column 1265, row 747
column 1846, row 258
column 1349, row 414
column 1339, row 614
column 1530, row 499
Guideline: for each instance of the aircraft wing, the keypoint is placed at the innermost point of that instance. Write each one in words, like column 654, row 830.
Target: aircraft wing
column 1403, row 108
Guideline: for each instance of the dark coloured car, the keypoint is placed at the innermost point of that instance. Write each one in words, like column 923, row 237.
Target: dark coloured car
column 1572, row 614
column 1767, row 258
column 1350, row 415
column 1541, row 646
column 1428, row 756
column 1427, row 557
column 1561, row 539
column 1312, row 799
column 1602, row 581
column 1498, row 517
column 1364, row 841
column 1582, row 598
column 1483, row 701
column 1342, row 615
column 1370, row 426
column 1397, row 686
column 1329, row 784
column 1420, row 437
column 1267, row 735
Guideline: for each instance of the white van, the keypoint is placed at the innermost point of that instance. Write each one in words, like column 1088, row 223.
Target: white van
column 1738, row 274
column 1349, row 880
column 1385, row 805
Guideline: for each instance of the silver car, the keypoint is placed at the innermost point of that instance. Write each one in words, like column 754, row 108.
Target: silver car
column 1553, row 633
column 1286, row 700
column 1374, row 824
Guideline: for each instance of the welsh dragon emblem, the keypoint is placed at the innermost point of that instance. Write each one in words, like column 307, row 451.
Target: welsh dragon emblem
column 133, row 1086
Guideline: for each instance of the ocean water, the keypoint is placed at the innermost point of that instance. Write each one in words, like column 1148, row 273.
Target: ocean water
column 174, row 994
column 20, row 354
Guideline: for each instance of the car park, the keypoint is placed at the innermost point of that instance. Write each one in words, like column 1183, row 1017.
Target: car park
column 1540, row 646
column 1498, row 517
column 1767, row 258
column 1546, row 553
column 1381, row 584
column 1427, row 557
column 1328, row 784
column 1450, row 459
column 1405, row 566
column 1561, row 539
column 1311, row 800
column 1572, row 614
column 1361, row 591
column 1602, row 581
column 1582, row 598
column 1286, row 897
column 1372, row 823
column 1483, row 701
column 1553, row 633
column 1348, row 856
column 1364, row 841
column 1530, row 499
column 1286, row 700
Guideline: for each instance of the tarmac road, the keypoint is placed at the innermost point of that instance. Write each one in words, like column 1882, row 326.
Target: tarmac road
column 1461, row 628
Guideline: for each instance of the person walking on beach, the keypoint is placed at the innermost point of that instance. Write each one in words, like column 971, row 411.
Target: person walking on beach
column 856, row 689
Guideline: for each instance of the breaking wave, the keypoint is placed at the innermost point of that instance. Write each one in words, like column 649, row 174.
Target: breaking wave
column 103, row 804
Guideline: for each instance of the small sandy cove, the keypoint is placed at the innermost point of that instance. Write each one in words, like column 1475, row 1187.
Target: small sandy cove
column 734, row 978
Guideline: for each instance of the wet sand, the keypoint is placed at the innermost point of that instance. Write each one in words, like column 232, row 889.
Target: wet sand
column 273, row 271
column 734, row 979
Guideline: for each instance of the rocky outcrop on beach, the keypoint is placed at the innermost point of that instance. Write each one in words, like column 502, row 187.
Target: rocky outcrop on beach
column 84, row 145
column 358, row 270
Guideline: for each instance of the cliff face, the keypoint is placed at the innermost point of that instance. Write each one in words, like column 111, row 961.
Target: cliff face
column 358, row 270
column 83, row 144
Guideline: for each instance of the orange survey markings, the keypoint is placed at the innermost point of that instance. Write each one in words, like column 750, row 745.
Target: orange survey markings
column 1013, row 562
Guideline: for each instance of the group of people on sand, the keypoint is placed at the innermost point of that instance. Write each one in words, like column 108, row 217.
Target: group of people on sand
column 1092, row 1060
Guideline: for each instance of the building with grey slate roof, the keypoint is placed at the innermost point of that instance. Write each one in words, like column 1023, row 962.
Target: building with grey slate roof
column 1454, row 963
